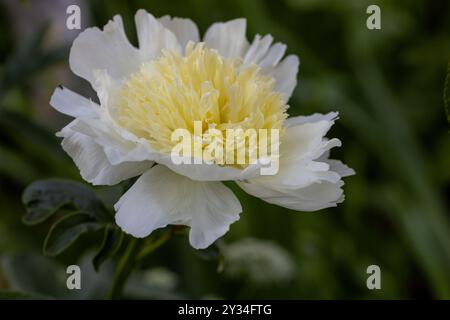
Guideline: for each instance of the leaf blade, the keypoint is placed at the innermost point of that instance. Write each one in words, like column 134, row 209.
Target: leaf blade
column 67, row 230
column 44, row 198
column 112, row 241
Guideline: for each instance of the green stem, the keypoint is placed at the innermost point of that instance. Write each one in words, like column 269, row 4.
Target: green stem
column 124, row 268
column 154, row 245
column 131, row 258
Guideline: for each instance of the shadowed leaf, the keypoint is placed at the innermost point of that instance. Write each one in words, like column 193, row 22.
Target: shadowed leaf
column 112, row 240
column 43, row 198
column 67, row 230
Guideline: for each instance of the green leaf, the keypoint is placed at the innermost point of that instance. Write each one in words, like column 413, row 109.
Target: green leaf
column 43, row 198
column 112, row 241
column 67, row 230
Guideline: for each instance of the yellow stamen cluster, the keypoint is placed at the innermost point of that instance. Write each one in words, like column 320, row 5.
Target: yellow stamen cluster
column 174, row 90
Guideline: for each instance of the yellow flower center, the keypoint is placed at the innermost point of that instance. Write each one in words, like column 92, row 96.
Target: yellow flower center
column 174, row 91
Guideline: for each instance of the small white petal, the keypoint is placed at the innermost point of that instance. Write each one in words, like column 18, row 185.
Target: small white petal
column 296, row 176
column 105, row 87
column 153, row 36
column 295, row 121
column 257, row 49
column 73, row 104
column 273, row 56
column 108, row 49
column 314, row 197
column 228, row 38
column 118, row 145
column 342, row 169
column 161, row 197
column 306, row 141
column 285, row 75
column 268, row 58
column 184, row 29
column 92, row 162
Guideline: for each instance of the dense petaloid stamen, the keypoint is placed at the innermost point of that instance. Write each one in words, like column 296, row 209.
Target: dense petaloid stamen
column 175, row 90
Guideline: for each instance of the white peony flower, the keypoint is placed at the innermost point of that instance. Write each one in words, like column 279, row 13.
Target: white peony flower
column 169, row 82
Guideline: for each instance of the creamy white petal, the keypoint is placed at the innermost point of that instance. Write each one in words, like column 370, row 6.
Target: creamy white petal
column 339, row 167
column 314, row 197
column 273, row 57
column 228, row 38
column 285, row 74
column 257, row 49
column 118, row 145
column 214, row 209
column 108, row 49
column 92, row 162
column 262, row 53
column 105, row 87
column 295, row 121
column 298, row 174
column 161, row 197
column 306, row 142
column 73, row 104
column 154, row 201
column 293, row 176
column 153, row 36
column 184, row 29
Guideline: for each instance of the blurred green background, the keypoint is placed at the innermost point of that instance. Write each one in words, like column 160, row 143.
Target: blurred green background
column 388, row 86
